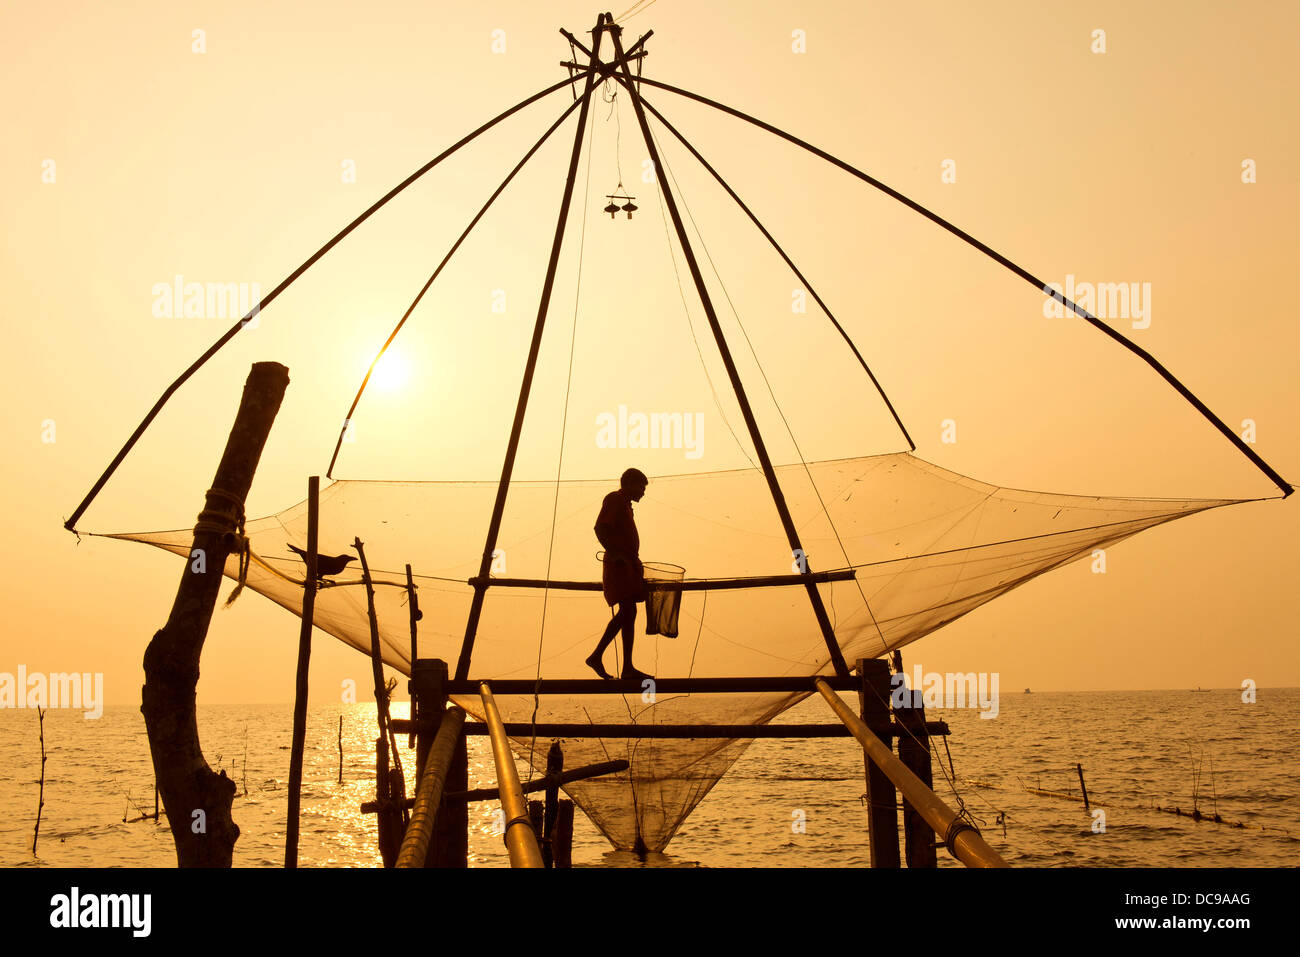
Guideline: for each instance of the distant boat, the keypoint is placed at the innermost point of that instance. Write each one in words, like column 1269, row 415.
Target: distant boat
column 1027, row 691
column 1199, row 690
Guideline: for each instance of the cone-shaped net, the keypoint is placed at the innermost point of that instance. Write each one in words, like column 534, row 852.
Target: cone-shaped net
column 927, row 545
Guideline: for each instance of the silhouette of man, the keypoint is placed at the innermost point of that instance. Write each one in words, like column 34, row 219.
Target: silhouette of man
column 621, row 578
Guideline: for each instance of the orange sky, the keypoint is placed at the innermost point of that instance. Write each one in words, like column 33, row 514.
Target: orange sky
column 228, row 166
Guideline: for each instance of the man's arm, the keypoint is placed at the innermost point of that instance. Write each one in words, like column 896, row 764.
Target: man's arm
column 612, row 531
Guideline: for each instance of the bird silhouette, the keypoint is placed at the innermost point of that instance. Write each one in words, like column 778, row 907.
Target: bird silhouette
column 325, row 564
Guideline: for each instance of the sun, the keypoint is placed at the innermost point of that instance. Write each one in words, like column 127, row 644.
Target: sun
column 391, row 372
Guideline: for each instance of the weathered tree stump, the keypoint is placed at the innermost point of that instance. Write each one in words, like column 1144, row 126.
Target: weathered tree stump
column 198, row 800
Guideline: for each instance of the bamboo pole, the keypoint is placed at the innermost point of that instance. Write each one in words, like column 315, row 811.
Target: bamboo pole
column 791, row 683
column 724, row 352
column 530, row 367
column 963, row 840
column 428, row 793
column 300, row 684
column 521, row 842
column 196, row 798
column 746, row 732
column 690, row 584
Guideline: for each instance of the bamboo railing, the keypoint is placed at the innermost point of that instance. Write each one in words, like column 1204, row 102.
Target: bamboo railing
column 521, row 841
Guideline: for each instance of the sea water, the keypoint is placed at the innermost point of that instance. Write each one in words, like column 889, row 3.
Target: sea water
column 785, row 802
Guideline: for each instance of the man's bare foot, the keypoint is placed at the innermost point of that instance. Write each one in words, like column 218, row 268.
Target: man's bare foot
column 596, row 665
column 631, row 674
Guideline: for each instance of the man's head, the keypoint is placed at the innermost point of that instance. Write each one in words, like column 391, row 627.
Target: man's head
column 633, row 482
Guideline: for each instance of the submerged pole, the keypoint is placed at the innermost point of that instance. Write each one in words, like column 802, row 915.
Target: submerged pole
column 914, row 751
column 962, row 839
column 882, row 801
column 300, row 684
column 196, row 798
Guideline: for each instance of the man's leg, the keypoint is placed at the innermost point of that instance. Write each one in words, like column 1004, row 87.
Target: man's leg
column 594, row 660
column 627, row 617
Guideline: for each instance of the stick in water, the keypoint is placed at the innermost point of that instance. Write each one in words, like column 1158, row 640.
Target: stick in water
column 36, row 833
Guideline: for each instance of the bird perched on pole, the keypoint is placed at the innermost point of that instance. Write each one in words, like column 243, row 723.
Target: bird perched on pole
column 325, row 564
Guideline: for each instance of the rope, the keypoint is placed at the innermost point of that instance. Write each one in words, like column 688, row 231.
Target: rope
column 213, row 521
column 681, row 291
column 632, row 11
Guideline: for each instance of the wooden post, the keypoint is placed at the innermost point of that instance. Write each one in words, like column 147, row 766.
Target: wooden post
column 300, row 684
column 914, row 752
column 340, row 749
column 564, row 834
column 429, row 790
column 197, row 799
column 395, row 783
column 449, row 846
column 882, row 802
column 554, row 766
column 389, row 820
column 1083, row 787
column 536, row 816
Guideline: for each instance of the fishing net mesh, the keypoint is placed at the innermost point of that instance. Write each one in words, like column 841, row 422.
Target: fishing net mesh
column 926, row 545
